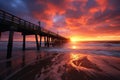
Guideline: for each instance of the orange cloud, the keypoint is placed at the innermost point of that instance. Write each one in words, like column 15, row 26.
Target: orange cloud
column 93, row 10
column 79, row 21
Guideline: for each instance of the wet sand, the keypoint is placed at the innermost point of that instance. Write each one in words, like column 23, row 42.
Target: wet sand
column 72, row 66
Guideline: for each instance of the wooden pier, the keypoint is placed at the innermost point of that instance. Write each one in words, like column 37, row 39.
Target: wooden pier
column 12, row 23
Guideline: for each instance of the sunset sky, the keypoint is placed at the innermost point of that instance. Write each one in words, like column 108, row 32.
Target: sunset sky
column 75, row 19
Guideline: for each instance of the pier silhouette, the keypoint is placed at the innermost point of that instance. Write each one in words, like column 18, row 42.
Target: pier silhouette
column 12, row 23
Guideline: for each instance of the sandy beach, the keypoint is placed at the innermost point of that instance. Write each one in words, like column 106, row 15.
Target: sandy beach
column 72, row 66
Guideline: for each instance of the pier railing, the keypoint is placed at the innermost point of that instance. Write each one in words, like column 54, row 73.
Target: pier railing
column 7, row 17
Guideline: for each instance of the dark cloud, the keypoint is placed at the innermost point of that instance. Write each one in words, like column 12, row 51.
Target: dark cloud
column 17, row 7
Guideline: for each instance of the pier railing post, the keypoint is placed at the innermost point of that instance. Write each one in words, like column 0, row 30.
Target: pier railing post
column 10, row 44
column 37, row 44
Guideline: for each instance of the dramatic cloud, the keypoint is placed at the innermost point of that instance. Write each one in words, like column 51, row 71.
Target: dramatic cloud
column 84, row 18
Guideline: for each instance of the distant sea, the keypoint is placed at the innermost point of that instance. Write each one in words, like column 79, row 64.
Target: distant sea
column 110, row 48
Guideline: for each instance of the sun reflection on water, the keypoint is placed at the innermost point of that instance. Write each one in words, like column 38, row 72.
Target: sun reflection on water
column 74, row 47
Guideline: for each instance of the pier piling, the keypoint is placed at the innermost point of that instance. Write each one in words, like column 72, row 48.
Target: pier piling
column 45, row 42
column 10, row 44
column 24, row 39
column 40, row 40
column 37, row 44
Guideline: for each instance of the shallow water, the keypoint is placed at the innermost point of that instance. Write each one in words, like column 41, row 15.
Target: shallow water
column 80, row 66
column 100, row 48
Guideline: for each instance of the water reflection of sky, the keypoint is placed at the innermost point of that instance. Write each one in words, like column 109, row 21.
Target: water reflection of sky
column 71, row 66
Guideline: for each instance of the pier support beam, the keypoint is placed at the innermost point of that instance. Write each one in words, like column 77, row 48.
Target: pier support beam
column 10, row 44
column 24, row 39
column 45, row 41
column 40, row 40
column 37, row 44
column 52, row 42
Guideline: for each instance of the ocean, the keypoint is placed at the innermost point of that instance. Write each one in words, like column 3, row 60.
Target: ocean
column 95, row 47
column 20, row 58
